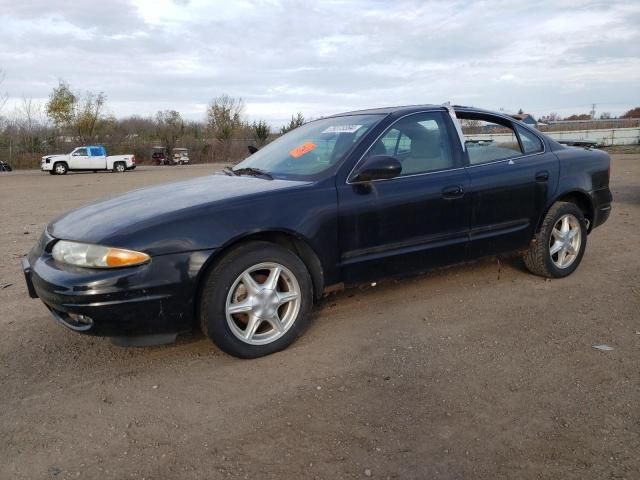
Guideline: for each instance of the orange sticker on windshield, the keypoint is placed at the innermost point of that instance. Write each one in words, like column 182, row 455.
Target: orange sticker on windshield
column 302, row 149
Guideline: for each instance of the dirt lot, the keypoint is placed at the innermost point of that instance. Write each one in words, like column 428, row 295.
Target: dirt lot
column 478, row 371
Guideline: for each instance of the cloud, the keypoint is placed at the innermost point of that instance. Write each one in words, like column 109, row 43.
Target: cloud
column 284, row 56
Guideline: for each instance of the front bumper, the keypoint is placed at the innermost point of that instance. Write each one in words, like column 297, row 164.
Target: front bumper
column 155, row 298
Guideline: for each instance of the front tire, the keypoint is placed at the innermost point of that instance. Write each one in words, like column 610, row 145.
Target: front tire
column 558, row 247
column 256, row 300
column 60, row 168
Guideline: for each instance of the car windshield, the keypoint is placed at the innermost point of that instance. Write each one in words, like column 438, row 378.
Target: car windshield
column 312, row 148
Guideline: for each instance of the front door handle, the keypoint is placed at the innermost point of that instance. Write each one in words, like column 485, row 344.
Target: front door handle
column 453, row 192
column 542, row 176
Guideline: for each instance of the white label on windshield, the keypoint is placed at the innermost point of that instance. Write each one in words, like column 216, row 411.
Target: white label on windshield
column 342, row 129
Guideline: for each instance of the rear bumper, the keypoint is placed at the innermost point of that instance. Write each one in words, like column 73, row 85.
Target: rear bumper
column 155, row 298
column 601, row 201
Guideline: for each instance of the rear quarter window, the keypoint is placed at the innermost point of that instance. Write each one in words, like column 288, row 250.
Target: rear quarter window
column 530, row 142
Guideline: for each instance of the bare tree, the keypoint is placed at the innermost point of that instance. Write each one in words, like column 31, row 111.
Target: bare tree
column 552, row 117
column 4, row 96
column 31, row 125
column 90, row 115
column 224, row 116
column 169, row 128
column 470, row 127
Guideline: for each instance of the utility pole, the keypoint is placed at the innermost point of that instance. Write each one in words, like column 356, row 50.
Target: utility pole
column 593, row 111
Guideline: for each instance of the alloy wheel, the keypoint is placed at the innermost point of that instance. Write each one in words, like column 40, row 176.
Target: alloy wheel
column 564, row 244
column 263, row 303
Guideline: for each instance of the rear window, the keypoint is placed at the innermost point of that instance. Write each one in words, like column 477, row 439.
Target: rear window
column 487, row 141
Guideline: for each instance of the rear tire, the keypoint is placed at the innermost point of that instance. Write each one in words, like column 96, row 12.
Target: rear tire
column 119, row 167
column 262, row 314
column 557, row 249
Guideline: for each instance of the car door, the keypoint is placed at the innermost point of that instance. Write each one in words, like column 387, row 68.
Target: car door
column 79, row 159
column 511, row 177
column 415, row 221
column 98, row 158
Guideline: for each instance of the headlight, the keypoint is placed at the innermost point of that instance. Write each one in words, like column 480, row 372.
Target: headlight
column 96, row 256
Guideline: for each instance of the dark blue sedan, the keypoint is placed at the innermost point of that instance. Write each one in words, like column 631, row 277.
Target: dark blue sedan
column 244, row 254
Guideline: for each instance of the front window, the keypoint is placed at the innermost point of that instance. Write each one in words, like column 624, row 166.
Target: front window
column 311, row 149
column 81, row 152
column 419, row 141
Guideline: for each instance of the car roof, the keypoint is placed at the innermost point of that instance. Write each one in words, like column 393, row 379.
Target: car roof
column 404, row 109
column 388, row 110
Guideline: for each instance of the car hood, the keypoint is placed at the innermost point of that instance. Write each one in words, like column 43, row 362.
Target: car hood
column 116, row 221
column 57, row 156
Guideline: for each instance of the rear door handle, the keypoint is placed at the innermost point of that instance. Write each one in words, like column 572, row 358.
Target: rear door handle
column 453, row 192
column 542, row 176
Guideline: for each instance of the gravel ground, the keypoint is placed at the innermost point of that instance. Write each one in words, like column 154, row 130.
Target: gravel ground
column 477, row 371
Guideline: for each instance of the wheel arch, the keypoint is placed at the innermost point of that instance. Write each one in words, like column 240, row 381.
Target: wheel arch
column 290, row 240
column 578, row 197
column 65, row 163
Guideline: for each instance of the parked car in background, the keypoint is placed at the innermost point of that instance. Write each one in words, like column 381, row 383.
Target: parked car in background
column 4, row 166
column 159, row 158
column 90, row 157
column 341, row 200
column 180, row 156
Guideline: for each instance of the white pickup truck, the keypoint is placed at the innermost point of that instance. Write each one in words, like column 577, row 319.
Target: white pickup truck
column 91, row 157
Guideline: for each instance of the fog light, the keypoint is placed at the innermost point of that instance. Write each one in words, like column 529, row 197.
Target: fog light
column 82, row 319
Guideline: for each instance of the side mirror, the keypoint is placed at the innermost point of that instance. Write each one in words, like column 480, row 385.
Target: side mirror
column 378, row 167
column 252, row 149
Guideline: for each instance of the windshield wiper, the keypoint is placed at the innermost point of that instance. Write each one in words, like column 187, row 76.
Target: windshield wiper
column 254, row 172
column 228, row 171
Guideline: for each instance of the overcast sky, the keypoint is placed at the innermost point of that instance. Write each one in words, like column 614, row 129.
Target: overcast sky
column 322, row 57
